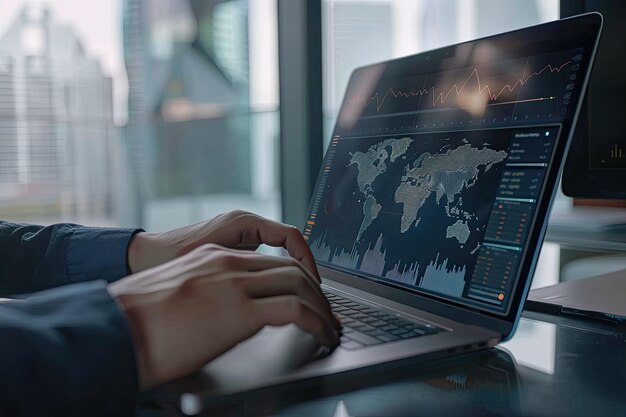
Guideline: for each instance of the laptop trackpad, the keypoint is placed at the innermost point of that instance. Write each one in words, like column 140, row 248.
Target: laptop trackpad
column 274, row 351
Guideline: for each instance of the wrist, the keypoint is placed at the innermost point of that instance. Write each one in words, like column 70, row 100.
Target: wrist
column 133, row 252
column 147, row 250
column 142, row 252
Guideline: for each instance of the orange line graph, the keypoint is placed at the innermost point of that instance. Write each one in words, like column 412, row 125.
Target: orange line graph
column 441, row 97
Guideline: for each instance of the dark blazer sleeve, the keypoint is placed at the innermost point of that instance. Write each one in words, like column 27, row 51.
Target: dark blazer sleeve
column 34, row 258
column 66, row 351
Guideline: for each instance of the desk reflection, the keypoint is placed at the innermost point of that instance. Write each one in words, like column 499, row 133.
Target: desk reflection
column 478, row 384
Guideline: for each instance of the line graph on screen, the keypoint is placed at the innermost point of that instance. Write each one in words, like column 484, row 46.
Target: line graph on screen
column 481, row 88
column 482, row 92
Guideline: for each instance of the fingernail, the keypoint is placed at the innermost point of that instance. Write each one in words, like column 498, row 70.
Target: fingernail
column 322, row 351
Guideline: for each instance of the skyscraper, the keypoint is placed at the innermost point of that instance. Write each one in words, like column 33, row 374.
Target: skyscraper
column 57, row 120
column 9, row 173
column 188, row 126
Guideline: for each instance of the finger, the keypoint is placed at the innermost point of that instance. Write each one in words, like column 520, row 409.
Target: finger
column 288, row 280
column 287, row 309
column 260, row 230
column 253, row 261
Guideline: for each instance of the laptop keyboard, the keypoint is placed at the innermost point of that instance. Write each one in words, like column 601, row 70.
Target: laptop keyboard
column 366, row 326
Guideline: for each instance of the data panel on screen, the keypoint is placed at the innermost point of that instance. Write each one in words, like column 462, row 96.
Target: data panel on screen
column 432, row 180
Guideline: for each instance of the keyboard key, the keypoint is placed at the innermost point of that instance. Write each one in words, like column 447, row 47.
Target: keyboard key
column 375, row 332
column 366, row 328
column 369, row 320
column 378, row 323
column 364, row 339
column 398, row 332
column 423, row 328
column 389, row 327
column 430, row 329
column 414, row 329
column 388, row 338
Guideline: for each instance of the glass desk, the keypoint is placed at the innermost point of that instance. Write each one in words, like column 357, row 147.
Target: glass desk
column 554, row 366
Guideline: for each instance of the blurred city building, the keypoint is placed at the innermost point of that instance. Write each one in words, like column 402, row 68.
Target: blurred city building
column 197, row 136
column 56, row 123
column 189, row 126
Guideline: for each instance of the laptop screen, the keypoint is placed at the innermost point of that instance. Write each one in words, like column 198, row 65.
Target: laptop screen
column 439, row 161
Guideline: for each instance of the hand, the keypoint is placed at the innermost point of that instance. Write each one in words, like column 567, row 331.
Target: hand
column 187, row 312
column 236, row 230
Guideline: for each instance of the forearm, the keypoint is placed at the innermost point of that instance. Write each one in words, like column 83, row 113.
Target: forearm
column 66, row 350
column 36, row 257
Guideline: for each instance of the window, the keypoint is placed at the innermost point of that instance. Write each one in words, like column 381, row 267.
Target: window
column 152, row 113
column 361, row 32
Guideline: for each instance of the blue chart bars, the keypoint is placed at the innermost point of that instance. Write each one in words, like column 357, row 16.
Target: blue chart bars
column 440, row 278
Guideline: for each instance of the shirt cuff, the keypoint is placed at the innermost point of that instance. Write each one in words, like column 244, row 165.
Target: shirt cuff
column 98, row 254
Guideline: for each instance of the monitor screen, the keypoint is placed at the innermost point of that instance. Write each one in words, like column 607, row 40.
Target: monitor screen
column 596, row 163
column 439, row 161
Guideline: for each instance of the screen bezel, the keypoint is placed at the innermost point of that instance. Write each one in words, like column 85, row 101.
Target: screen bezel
column 588, row 26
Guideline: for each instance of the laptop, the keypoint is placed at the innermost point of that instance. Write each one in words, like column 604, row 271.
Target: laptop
column 430, row 207
column 600, row 297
